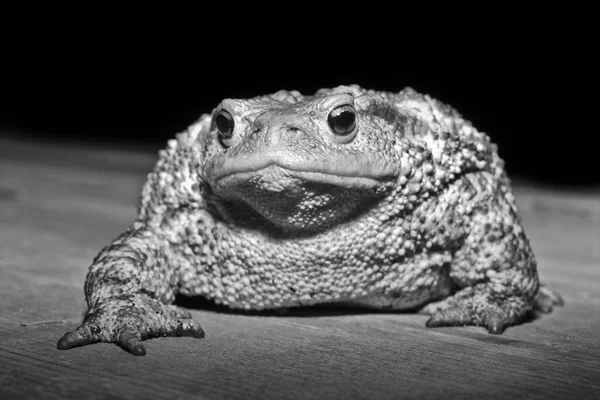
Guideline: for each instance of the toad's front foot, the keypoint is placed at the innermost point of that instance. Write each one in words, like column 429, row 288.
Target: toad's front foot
column 480, row 306
column 127, row 320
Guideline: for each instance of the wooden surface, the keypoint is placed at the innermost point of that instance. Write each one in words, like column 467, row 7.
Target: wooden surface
column 59, row 205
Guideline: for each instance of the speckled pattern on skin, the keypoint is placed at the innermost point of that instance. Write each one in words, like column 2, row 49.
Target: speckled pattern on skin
column 374, row 199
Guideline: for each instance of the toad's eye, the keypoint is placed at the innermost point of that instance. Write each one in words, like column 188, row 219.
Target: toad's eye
column 342, row 120
column 224, row 122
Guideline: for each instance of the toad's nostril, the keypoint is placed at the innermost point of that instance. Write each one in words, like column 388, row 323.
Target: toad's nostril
column 258, row 124
column 293, row 129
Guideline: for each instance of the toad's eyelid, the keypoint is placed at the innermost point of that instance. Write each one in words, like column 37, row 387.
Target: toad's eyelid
column 230, row 105
column 336, row 99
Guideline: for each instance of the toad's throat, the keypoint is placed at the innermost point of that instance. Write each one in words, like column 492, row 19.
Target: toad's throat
column 299, row 200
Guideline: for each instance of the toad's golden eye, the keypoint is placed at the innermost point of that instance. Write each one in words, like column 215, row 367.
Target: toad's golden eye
column 224, row 122
column 342, row 120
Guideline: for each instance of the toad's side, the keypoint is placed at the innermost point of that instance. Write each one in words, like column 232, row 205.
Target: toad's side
column 374, row 199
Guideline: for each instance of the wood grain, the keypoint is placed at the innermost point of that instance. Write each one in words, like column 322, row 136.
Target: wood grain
column 60, row 204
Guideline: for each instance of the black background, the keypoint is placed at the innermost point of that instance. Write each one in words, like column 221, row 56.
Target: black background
column 140, row 89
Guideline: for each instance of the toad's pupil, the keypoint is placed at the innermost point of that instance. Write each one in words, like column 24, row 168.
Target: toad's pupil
column 345, row 119
column 224, row 124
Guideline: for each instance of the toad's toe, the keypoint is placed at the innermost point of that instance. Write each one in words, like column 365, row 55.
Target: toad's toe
column 547, row 299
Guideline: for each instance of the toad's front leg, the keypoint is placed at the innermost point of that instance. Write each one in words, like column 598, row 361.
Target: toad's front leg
column 129, row 290
column 494, row 268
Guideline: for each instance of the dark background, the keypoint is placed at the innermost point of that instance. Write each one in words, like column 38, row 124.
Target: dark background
column 139, row 91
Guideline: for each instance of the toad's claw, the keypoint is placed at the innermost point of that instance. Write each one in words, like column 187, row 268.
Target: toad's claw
column 131, row 341
column 128, row 321
column 78, row 337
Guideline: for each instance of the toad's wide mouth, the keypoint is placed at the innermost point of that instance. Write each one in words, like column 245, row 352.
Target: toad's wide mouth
column 344, row 172
column 280, row 177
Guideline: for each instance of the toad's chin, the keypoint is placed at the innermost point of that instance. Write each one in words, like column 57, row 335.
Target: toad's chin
column 299, row 200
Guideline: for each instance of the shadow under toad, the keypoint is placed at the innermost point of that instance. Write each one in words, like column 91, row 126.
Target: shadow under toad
column 317, row 310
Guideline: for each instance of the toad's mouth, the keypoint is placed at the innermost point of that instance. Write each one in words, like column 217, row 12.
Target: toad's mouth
column 345, row 172
column 274, row 177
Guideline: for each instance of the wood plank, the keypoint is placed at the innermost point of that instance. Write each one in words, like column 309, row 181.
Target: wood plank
column 60, row 204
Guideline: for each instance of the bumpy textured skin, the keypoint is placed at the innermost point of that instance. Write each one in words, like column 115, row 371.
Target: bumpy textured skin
column 412, row 212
